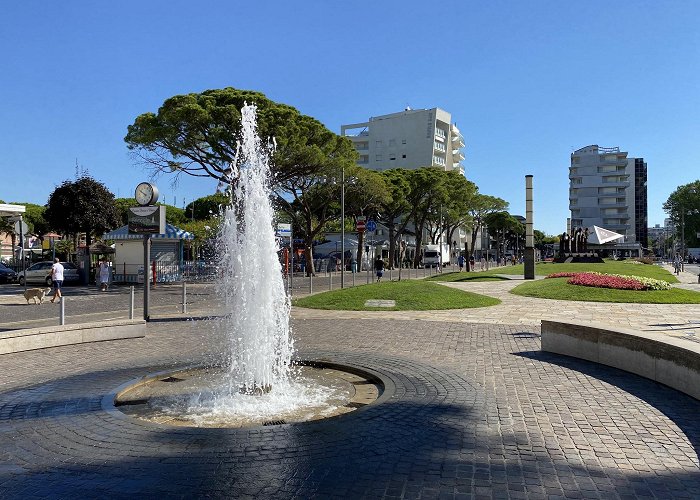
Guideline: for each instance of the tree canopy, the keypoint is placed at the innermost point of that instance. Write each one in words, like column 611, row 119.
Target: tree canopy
column 82, row 206
column 198, row 134
column 683, row 207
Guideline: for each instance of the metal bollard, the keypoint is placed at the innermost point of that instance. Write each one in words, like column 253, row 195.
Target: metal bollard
column 330, row 281
column 62, row 315
column 131, row 303
column 391, row 274
column 311, row 283
column 184, row 298
column 353, row 278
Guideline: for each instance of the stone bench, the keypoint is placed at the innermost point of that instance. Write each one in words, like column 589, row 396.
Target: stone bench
column 670, row 361
column 52, row 336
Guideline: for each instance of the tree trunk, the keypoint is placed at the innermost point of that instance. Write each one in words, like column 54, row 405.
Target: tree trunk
column 392, row 245
column 86, row 258
column 360, row 248
column 308, row 255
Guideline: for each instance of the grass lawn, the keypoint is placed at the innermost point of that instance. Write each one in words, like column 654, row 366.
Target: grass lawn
column 410, row 295
column 557, row 288
column 544, row 269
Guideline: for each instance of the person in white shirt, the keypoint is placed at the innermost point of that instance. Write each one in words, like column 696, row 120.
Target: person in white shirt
column 56, row 279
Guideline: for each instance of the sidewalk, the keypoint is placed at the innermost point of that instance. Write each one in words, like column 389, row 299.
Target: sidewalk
column 685, row 277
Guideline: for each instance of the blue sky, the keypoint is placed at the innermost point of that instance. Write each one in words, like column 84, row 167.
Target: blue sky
column 526, row 82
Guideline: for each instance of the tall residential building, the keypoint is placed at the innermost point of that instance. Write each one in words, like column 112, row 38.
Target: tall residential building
column 608, row 189
column 410, row 139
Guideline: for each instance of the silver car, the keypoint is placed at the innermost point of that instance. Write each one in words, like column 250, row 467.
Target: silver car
column 41, row 273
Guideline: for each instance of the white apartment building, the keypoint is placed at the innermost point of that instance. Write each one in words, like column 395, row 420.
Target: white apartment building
column 609, row 190
column 410, row 139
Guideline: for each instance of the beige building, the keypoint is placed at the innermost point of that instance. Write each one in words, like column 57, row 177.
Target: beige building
column 410, row 139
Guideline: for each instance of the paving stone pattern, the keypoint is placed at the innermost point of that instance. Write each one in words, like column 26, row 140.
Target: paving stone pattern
column 478, row 412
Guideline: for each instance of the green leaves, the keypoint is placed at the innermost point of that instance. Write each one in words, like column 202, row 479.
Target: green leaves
column 84, row 205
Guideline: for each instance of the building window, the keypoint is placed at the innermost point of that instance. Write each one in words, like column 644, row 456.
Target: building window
column 576, row 180
column 378, row 158
column 379, row 144
column 392, row 142
column 392, row 157
column 403, row 141
column 403, row 156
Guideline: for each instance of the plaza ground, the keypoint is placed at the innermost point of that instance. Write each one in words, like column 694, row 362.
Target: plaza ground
column 477, row 411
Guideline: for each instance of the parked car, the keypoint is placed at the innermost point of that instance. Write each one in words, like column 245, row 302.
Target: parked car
column 39, row 273
column 7, row 275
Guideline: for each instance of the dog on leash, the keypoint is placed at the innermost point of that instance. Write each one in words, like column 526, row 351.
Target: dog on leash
column 36, row 293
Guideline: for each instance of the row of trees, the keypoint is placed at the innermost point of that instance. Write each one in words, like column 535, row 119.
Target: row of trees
column 198, row 134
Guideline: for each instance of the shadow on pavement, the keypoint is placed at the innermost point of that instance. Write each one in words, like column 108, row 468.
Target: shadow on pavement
column 678, row 407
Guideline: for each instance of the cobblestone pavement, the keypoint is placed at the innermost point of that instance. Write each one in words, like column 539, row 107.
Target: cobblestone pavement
column 478, row 412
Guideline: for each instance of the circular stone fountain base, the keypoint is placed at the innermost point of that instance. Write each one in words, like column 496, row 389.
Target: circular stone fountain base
column 184, row 398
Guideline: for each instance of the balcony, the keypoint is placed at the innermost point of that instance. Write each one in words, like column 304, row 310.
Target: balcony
column 438, row 161
column 616, row 180
column 457, row 141
column 437, row 146
column 440, row 133
column 457, row 155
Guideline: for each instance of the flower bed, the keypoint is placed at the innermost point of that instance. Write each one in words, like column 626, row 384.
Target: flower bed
column 615, row 281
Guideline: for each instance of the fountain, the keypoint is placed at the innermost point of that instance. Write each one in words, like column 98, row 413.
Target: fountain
column 257, row 382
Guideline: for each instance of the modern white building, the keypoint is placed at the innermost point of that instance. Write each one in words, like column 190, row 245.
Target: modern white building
column 410, row 139
column 609, row 189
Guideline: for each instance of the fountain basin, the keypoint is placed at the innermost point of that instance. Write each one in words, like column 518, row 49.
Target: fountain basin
column 188, row 397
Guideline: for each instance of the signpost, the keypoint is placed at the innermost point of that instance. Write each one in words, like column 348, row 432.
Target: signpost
column 19, row 229
column 360, row 225
column 285, row 231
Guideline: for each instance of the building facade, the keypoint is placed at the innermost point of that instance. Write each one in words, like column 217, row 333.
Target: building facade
column 410, row 139
column 608, row 189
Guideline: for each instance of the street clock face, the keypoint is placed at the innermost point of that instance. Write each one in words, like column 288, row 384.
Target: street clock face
column 146, row 194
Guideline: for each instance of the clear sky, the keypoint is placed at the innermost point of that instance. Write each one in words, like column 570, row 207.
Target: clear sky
column 526, row 81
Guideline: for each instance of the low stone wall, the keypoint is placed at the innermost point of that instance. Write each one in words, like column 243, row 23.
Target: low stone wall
column 52, row 336
column 667, row 360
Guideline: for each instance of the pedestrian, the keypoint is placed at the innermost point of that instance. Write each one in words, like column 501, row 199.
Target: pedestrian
column 104, row 272
column 379, row 268
column 471, row 263
column 677, row 264
column 56, row 279
column 460, row 263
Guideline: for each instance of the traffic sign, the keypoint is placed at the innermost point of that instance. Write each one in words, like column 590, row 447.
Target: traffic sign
column 371, row 225
column 360, row 225
column 284, row 230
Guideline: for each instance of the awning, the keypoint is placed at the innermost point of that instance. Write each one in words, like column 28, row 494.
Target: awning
column 7, row 210
column 171, row 233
